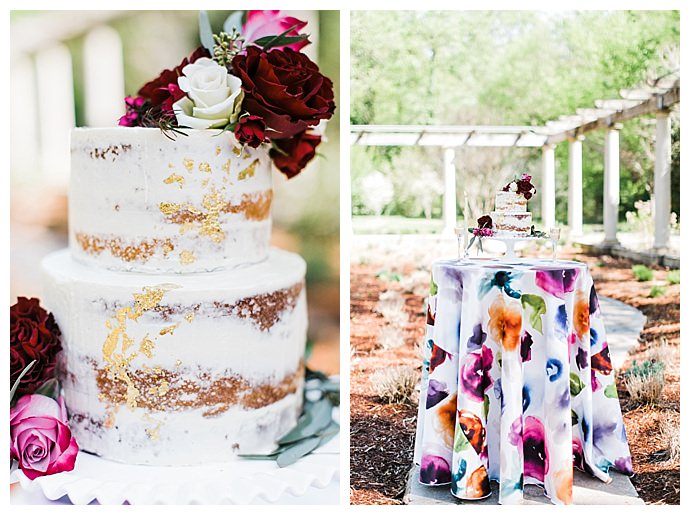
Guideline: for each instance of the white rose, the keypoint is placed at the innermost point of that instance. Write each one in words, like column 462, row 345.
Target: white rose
column 214, row 96
column 513, row 187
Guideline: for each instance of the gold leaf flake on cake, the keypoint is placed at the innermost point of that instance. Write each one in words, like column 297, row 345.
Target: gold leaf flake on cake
column 163, row 388
column 188, row 164
column 174, row 178
column 171, row 166
column 205, row 182
column 169, row 208
column 187, row 257
column 167, row 248
column 227, row 165
column 189, row 317
column 249, row 171
column 146, row 346
column 178, row 363
column 204, row 167
column 237, row 151
column 169, row 330
column 218, row 150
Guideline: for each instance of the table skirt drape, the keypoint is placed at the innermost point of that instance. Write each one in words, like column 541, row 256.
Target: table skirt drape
column 517, row 381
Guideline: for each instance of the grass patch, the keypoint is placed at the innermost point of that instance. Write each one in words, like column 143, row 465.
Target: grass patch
column 642, row 273
column 395, row 385
column 657, row 291
column 673, row 277
column 645, row 382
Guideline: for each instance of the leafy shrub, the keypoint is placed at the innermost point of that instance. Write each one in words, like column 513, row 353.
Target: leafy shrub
column 673, row 277
column 395, row 384
column 645, row 381
column 656, row 291
column 642, row 273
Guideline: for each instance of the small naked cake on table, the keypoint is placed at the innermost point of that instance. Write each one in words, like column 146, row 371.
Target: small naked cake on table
column 183, row 330
column 510, row 218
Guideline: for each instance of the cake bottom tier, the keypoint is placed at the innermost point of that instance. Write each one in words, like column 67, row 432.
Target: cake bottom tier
column 180, row 369
column 512, row 223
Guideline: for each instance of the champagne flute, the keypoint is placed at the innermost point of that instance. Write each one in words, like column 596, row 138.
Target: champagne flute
column 554, row 235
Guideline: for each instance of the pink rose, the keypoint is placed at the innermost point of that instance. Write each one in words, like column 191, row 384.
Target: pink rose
column 271, row 23
column 40, row 439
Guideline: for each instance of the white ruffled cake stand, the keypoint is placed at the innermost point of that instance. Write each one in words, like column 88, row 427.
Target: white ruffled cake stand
column 236, row 482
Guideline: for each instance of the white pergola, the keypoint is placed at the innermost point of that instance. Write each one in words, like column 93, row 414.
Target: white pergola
column 607, row 115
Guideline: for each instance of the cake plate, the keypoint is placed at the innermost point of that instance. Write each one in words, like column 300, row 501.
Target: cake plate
column 510, row 242
column 236, row 482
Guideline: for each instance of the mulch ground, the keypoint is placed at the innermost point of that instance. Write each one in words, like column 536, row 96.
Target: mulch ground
column 382, row 435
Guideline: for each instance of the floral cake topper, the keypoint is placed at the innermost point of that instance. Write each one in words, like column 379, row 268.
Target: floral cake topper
column 522, row 186
column 251, row 79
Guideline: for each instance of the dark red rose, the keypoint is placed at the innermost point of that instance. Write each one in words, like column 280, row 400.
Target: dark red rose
column 251, row 130
column 285, row 88
column 163, row 90
column 485, row 222
column 34, row 335
column 296, row 153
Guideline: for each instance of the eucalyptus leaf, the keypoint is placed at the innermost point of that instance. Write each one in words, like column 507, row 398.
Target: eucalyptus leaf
column 205, row 32
column 281, row 39
column 13, row 390
column 234, row 21
column 320, row 418
column 51, row 388
column 295, row 452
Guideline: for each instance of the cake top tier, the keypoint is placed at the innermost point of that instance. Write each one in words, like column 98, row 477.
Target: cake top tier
column 141, row 201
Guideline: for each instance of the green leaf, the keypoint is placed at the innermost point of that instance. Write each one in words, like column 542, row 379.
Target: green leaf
column 281, row 39
column 51, row 388
column 295, row 452
column 610, row 391
column 537, row 308
column 461, row 442
column 316, row 417
column 434, row 287
column 576, row 384
column 234, row 21
column 487, row 403
column 13, row 390
column 205, row 32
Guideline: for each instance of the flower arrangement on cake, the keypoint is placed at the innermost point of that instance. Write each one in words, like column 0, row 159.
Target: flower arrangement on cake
column 250, row 79
column 41, row 442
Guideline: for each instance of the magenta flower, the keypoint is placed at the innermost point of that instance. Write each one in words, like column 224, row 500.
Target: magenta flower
column 483, row 232
column 40, row 439
column 557, row 282
column 534, row 447
column 434, row 470
column 474, row 373
column 271, row 23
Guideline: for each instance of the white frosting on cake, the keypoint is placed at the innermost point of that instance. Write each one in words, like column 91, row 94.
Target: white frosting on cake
column 179, row 369
column 143, row 202
column 510, row 202
column 511, row 218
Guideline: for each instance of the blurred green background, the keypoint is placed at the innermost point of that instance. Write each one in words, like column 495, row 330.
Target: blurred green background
column 58, row 59
column 501, row 68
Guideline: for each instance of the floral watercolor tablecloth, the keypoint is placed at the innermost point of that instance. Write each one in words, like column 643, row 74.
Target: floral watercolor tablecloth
column 517, row 381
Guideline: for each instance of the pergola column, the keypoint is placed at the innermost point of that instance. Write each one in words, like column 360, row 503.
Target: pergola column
column 662, row 180
column 548, row 187
column 611, row 184
column 575, row 185
column 449, row 191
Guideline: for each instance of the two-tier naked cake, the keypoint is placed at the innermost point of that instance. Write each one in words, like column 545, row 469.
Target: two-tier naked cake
column 183, row 330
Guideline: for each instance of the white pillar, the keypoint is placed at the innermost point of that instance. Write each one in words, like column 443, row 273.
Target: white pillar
column 611, row 184
column 575, row 186
column 104, row 77
column 662, row 181
column 24, row 164
column 548, row 187
column 55, row 112
column 449, row 193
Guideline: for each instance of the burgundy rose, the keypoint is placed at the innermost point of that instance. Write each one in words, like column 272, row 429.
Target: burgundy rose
column 251, row 130
column 40, row 439
column 34, row 335
column 294, row 153
column 485, row 222
column 285, row 88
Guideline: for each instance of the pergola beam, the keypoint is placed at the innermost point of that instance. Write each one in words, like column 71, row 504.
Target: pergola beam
column 654, row 104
